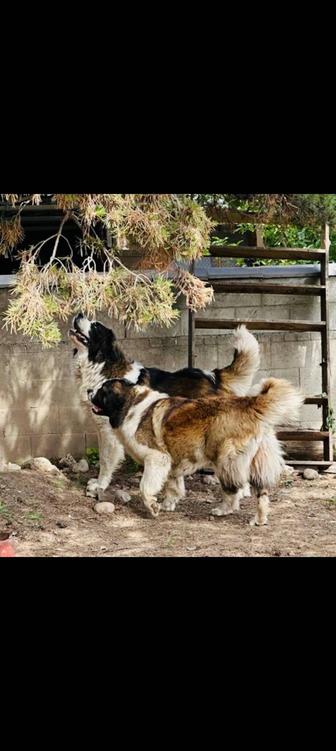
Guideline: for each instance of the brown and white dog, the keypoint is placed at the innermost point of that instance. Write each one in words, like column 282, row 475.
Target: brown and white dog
column 98, row 357
column 173, row 437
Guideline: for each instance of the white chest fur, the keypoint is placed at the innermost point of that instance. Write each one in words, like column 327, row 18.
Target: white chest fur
column 129, row 427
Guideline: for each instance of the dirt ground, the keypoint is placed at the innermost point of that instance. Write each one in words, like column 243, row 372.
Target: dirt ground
column 50, row 516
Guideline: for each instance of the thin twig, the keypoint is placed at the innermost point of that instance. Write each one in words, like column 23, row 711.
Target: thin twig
column 58, row 236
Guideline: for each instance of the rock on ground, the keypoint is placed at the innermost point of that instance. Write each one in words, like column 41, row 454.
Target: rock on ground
column 81, row 466
column 43, row 465
column 122, row 496
column 13, row 467
column 104, row 508
column 310, row 474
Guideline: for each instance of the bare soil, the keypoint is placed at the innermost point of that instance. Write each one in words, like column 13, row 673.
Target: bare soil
column 50, row 516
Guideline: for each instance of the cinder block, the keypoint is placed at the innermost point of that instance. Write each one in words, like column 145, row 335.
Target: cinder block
column 311, row 379
column 42, row 419
column 234, row 300
column 75, row 419
column 332, row 288
column 306, row 312
column 291, row 374
column 91, row 441
column 302, row 337
column 263, row 313
column 216, row 314
column 292, row 354
column 206, row 358
column 16, row 448
column 280, row 300
column 58, row 445
column 332, row 315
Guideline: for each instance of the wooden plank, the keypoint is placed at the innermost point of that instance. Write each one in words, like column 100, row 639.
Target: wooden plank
column 255, row 325
column 326, row 376
column 191, row 328
column 267, row 288
column 311, row 463
column 316, row 400
column 303, row 435
column 240, row 251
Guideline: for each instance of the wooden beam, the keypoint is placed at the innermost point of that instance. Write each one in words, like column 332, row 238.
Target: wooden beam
column 267, row 288
column 325, row 342
column 316, row 400
column 302, row 435
column 232, row 323
column 245, row 251
column 311, row 463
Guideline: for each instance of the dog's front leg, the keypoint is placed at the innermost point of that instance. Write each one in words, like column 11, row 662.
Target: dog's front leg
column 111, row 454
column 156, row 470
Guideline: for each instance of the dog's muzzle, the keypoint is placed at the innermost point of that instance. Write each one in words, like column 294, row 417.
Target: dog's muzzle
column 90, row 394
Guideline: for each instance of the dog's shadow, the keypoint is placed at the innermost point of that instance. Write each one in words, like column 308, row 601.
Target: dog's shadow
column 192, row 511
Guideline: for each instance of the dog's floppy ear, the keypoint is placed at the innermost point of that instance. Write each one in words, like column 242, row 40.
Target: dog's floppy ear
column 101, row 342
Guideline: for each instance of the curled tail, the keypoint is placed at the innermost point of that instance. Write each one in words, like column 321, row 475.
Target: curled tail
column 237, row 377
column 276, row 401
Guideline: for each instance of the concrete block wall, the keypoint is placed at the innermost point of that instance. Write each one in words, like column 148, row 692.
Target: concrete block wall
column 40, row 411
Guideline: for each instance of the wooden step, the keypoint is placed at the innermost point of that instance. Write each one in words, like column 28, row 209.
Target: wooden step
column 266, row 288
column 255, row 325
column 297, row 463
column 303, row 435
column 245, row 251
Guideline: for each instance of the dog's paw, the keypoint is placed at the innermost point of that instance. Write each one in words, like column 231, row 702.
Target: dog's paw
column 153, row 508
column 93, row 488
column 168, row 505
column 258, row 523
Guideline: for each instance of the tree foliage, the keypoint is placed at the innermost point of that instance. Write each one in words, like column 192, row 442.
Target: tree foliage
column 168, row 228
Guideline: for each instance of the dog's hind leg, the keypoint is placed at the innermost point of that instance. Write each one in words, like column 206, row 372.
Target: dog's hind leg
column 265, row 473
column 111, row 454
column 261, row 517
column 156, row 470
column 174, row 492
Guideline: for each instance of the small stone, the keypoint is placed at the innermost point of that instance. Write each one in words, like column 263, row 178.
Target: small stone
column 13, row 467
column 81, row 466
column 210, row 480
column 104, row 508
column 310, row 474
column 43, row 465
column 61, row 525
column 331, row 470
column 122, row 496
column 288, row 471
column 10, row 467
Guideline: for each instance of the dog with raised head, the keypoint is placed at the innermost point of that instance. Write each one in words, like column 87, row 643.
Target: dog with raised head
column 98, row 357
column 173, row 437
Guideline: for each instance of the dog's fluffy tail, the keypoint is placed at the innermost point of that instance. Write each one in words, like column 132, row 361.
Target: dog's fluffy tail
column 277, row 402
column 237, row 377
